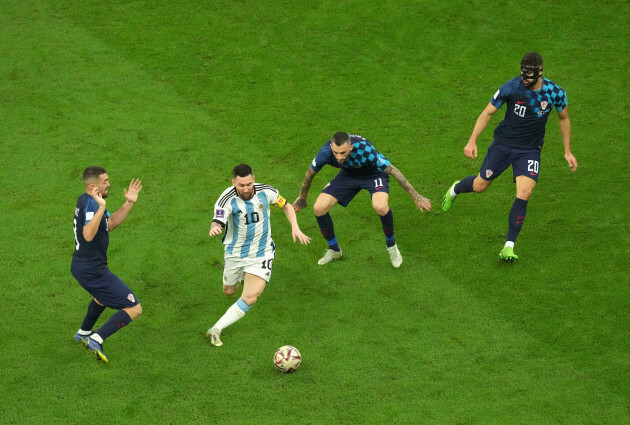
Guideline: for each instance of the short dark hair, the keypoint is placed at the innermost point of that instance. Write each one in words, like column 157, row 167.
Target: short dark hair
column 532, row 60
column 242, row 170
column 93, row 172
column 340, row 138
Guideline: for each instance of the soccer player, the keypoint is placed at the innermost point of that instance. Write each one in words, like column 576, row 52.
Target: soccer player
column 361, row 167
column 518, row 141
column 243, row 210
column 92, row 224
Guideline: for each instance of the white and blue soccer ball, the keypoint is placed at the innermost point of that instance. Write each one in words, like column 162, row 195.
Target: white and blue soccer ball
column 287, row 359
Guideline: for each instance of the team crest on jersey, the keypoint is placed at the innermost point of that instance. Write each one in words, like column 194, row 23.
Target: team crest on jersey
column 488, row 173
column 544, row 104
column 261, row 207
column 219, row 213
column 131, row 298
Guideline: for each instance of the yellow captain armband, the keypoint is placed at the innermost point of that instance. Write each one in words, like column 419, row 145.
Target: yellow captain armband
column 280, row 202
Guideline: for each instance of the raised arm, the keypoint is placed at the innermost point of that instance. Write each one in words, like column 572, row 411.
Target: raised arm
column 421, row 202
column 131, row 197
column 300, row 202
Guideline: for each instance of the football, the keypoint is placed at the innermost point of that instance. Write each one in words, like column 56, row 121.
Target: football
column 287, row 359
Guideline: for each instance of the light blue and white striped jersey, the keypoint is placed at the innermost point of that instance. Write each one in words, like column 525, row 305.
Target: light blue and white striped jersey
column 247, row 224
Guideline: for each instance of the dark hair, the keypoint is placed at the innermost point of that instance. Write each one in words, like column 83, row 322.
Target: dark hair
column 532, row 60
column 340, row 138
column 93, row 172
column 242, row 170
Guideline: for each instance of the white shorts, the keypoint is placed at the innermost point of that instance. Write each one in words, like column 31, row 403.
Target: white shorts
column 234, row 268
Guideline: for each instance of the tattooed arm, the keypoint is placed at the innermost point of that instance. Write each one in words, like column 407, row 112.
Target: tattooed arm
column 421, row 202
column 300, row 202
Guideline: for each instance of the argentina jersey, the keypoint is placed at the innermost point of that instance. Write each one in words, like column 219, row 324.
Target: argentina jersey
column 364, row 159
column 246, row 222
column 527, row 112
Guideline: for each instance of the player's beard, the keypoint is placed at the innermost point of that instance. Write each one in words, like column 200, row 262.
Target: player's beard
column 529, row 83
column 245, row 196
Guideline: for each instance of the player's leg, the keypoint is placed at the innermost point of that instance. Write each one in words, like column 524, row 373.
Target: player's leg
column 233, row 273
column 114, row 293
column 524, row 188
column 378, row 186
column 255, row 277
column 525, row 169
column 323, row 204
column 494, row 163
column 94, row 311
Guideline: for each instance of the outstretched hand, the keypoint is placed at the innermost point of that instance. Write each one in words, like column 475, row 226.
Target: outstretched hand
column 134, row 187
column 423, row 203
column 297, row 234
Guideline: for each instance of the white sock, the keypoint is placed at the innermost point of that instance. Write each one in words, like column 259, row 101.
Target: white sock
column 509, row 244
column 96, row 337
column 452, row 191
column 84, row 333
column 233, row 314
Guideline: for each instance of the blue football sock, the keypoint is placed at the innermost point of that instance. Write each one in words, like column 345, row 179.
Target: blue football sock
column 516, row 218
column 465, row 185
column 119, row 320
column 327, row 228
column 387, row 221
column 93, row 313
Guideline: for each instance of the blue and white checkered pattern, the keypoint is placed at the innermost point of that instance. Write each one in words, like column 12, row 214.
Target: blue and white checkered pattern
column 363, row 159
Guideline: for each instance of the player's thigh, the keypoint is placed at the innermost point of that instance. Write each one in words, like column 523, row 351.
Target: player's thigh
column 112, row 292
column 324, row 203
column 233, row 268
column 524, row 187
column 496, row 161
column 380, row 202
column 253, row 286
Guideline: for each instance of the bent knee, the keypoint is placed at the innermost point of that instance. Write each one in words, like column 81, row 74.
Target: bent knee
column 134, row 311
column 381, row 209
column 319, row 210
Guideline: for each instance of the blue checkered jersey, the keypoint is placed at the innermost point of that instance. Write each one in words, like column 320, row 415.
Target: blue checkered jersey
column 247, row 224
column 527, row 112
column 364, row 159
column 89, row 255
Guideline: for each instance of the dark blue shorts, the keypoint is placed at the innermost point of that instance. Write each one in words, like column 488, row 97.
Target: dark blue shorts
column 524, row 162
column 344, row 186
column 107, row 288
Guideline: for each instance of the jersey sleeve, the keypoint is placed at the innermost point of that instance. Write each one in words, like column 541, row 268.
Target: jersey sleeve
column 381, row 162
column 221, row 214
column 274, row 197
column 90, row 208
column 501, row 96
column 560, row 99
column 322, row 158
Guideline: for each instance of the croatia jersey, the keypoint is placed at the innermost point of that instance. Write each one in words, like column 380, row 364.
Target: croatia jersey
column 247, row 224
column 363, row 160
column 527, row 112
column 89, row 256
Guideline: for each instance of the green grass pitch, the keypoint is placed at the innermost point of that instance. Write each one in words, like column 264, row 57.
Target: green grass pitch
column 177, row 93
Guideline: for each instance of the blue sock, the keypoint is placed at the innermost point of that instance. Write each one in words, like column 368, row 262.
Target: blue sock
column 387, row 221
column 93, row 313
column 118, row 321
column 243, row 305
column 327, row 228
column 516, row 218
column 465, row 185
